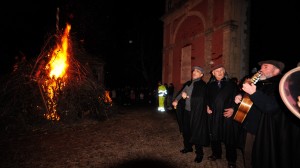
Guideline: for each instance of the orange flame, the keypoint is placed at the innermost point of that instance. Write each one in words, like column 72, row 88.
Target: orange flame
column 107, row 98
column 58, row 62
column 57, row 66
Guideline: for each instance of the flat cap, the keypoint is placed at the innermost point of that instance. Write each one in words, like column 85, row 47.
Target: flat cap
column 213, row 67
column 199, row 68
column 280, row 65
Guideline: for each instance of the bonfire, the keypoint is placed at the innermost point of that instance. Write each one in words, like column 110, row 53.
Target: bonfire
column 58, row 85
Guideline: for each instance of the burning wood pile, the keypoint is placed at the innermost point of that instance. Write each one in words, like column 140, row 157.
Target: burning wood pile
column 58, row 85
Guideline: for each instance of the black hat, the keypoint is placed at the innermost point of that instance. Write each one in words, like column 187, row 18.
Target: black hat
column 199, row 68
column 278, row 64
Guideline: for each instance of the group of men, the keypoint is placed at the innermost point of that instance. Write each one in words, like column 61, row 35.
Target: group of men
column 269, row 135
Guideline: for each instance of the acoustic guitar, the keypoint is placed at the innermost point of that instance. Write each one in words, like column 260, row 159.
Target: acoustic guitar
column 246, row 103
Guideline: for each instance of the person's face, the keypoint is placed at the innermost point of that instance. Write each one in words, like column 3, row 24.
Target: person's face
column 197, row 74
column 268, row 71
column 219, row 73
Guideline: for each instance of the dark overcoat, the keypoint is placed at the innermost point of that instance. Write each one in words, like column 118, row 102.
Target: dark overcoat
column 198, row 119
column 277, row 142
column 221, row 128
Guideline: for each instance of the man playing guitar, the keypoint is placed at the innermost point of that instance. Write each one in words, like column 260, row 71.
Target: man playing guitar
column 267, row 137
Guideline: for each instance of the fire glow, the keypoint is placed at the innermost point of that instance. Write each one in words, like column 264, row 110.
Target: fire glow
column 57, row 68
column 59, row 60
column 107, row 98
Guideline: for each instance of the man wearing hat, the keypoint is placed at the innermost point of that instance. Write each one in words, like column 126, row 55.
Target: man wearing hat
column 192, row 119
column 269, row 126
column 220, row 108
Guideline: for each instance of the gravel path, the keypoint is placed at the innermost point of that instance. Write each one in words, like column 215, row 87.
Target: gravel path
column 136, row 137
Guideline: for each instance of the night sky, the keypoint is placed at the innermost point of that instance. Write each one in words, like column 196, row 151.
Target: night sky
column 275, row 32
column 127, row 29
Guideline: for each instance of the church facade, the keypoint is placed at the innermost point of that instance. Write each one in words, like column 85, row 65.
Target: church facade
column 205, row 33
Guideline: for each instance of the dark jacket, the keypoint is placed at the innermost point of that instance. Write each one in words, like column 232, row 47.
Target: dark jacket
column 198, row 119
column 223, row 129
column 278, row 132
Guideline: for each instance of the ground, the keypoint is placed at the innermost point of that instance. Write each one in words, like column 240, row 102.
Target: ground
column 135, row 137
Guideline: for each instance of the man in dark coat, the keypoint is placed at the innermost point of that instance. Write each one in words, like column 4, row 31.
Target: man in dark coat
column 273, row 133
column 221, row 92
column 192, row 118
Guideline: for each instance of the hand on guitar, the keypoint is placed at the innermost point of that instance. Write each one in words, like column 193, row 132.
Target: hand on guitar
column 238, row 99
column 249, row 88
